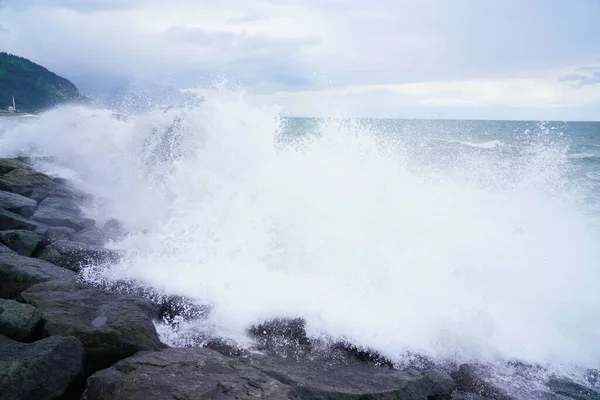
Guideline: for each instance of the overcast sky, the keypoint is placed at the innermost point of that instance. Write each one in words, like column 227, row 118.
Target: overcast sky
column 537, row 59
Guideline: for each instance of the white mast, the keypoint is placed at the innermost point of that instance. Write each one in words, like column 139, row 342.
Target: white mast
column 14, row 106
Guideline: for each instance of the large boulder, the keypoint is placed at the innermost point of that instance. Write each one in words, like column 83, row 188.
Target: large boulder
column 55, row 233
column 18, row 273
column 350, row 379
column 475, row 379
column 10, row 220
column 184, row 374
column 4, row 249
column 48, row 369
column 10, row 164
column 75, row 255
column 22, row 242
column 572, row 390
column 18, row 321
column 58, row 211
column 92, row 236
column 24, row 181
column 18, row 204
column 111, row 326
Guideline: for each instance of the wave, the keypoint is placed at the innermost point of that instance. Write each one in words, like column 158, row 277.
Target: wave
column 490, row 259
column 492, row 144
column 595, row 176
column 578, row 156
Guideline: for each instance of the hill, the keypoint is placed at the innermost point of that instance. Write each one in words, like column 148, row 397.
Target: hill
column 33, row 86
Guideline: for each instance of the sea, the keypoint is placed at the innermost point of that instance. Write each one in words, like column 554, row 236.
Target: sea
column 472, row 241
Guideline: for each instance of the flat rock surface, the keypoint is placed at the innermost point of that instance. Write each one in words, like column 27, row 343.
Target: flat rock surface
column 183, row 374
column 9, row 164
column 18, row 204
column 319, row 379
column 46, row 369
column 111, row 326
column 75, row 255
column 17, row 320
column 24, row 181
column 18, row 273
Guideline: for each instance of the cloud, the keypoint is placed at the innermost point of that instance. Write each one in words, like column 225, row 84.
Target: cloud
column 458, row 52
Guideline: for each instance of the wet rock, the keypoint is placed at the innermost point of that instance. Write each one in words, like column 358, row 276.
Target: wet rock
column 4, row 249
column 25, row 181
column 111, row 326
column 190, row 373
column 92, row 236
column 56, row 211
column 22, row 242
column 114, row 229
column 10, row 220
column 466, row 396
column 315, row 379
column 363, row 354
column 18, row 321
column 50, row 369
column 474, row 379
column 572, row 390
column 281, row 332
column 75, row 255
column 9, row 164
column 56, row 233
column 18, row 204
column 18, row 273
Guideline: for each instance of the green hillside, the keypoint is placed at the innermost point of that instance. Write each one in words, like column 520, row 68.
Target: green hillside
column 33, row 86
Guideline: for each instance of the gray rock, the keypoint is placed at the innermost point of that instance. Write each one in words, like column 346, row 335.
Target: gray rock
column 315, row 379
column 111, row 326
column 474, row 379
column 92, row 236
column 467, row 396
column 18, row 273
column 48, row 369
column 55, row 233
column 17, row 320
column 56, row 211
column 4, row 249
column 24, row 181
column 184, row 374
column 75, row 255
column 572, row 390
column 60, row 190
column 10, row 220
column 114, row 229
column 18, row 204
column 9, row 164
column 22, row 242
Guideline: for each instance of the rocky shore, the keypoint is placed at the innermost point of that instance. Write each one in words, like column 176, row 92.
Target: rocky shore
column 61, row 338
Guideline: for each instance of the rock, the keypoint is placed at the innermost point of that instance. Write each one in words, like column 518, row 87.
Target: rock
column 18, row 321
column 74, row 255
column 92, row 236
column 316, row 379
column 18, row 204
column 10, row 220
column 466, row 396
column 572, row 390
column 281, row 331
column 183, row 374
column 114, row 229
column 24, row 181
column 22, row 242
column 49, row 369
column 18, row 273
column 472, row 379
column 9, row 164
column 58, row 191
column 56, row 211
column 363, row 354
column 55, row 233
column 111, row 326
column 4, row 249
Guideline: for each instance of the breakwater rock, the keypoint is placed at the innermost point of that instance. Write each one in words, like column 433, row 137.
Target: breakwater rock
column 61, row 338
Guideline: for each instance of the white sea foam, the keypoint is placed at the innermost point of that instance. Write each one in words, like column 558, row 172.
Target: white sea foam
column 492, row 144
column 488, row 259
column 581, row 155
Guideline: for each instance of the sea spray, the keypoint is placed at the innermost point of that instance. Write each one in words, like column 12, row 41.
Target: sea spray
column 392, row 241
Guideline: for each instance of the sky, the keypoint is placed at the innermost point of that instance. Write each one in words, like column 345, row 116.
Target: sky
column 483, row 59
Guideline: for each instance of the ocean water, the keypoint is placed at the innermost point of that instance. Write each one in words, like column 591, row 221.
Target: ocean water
column 462, row 240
